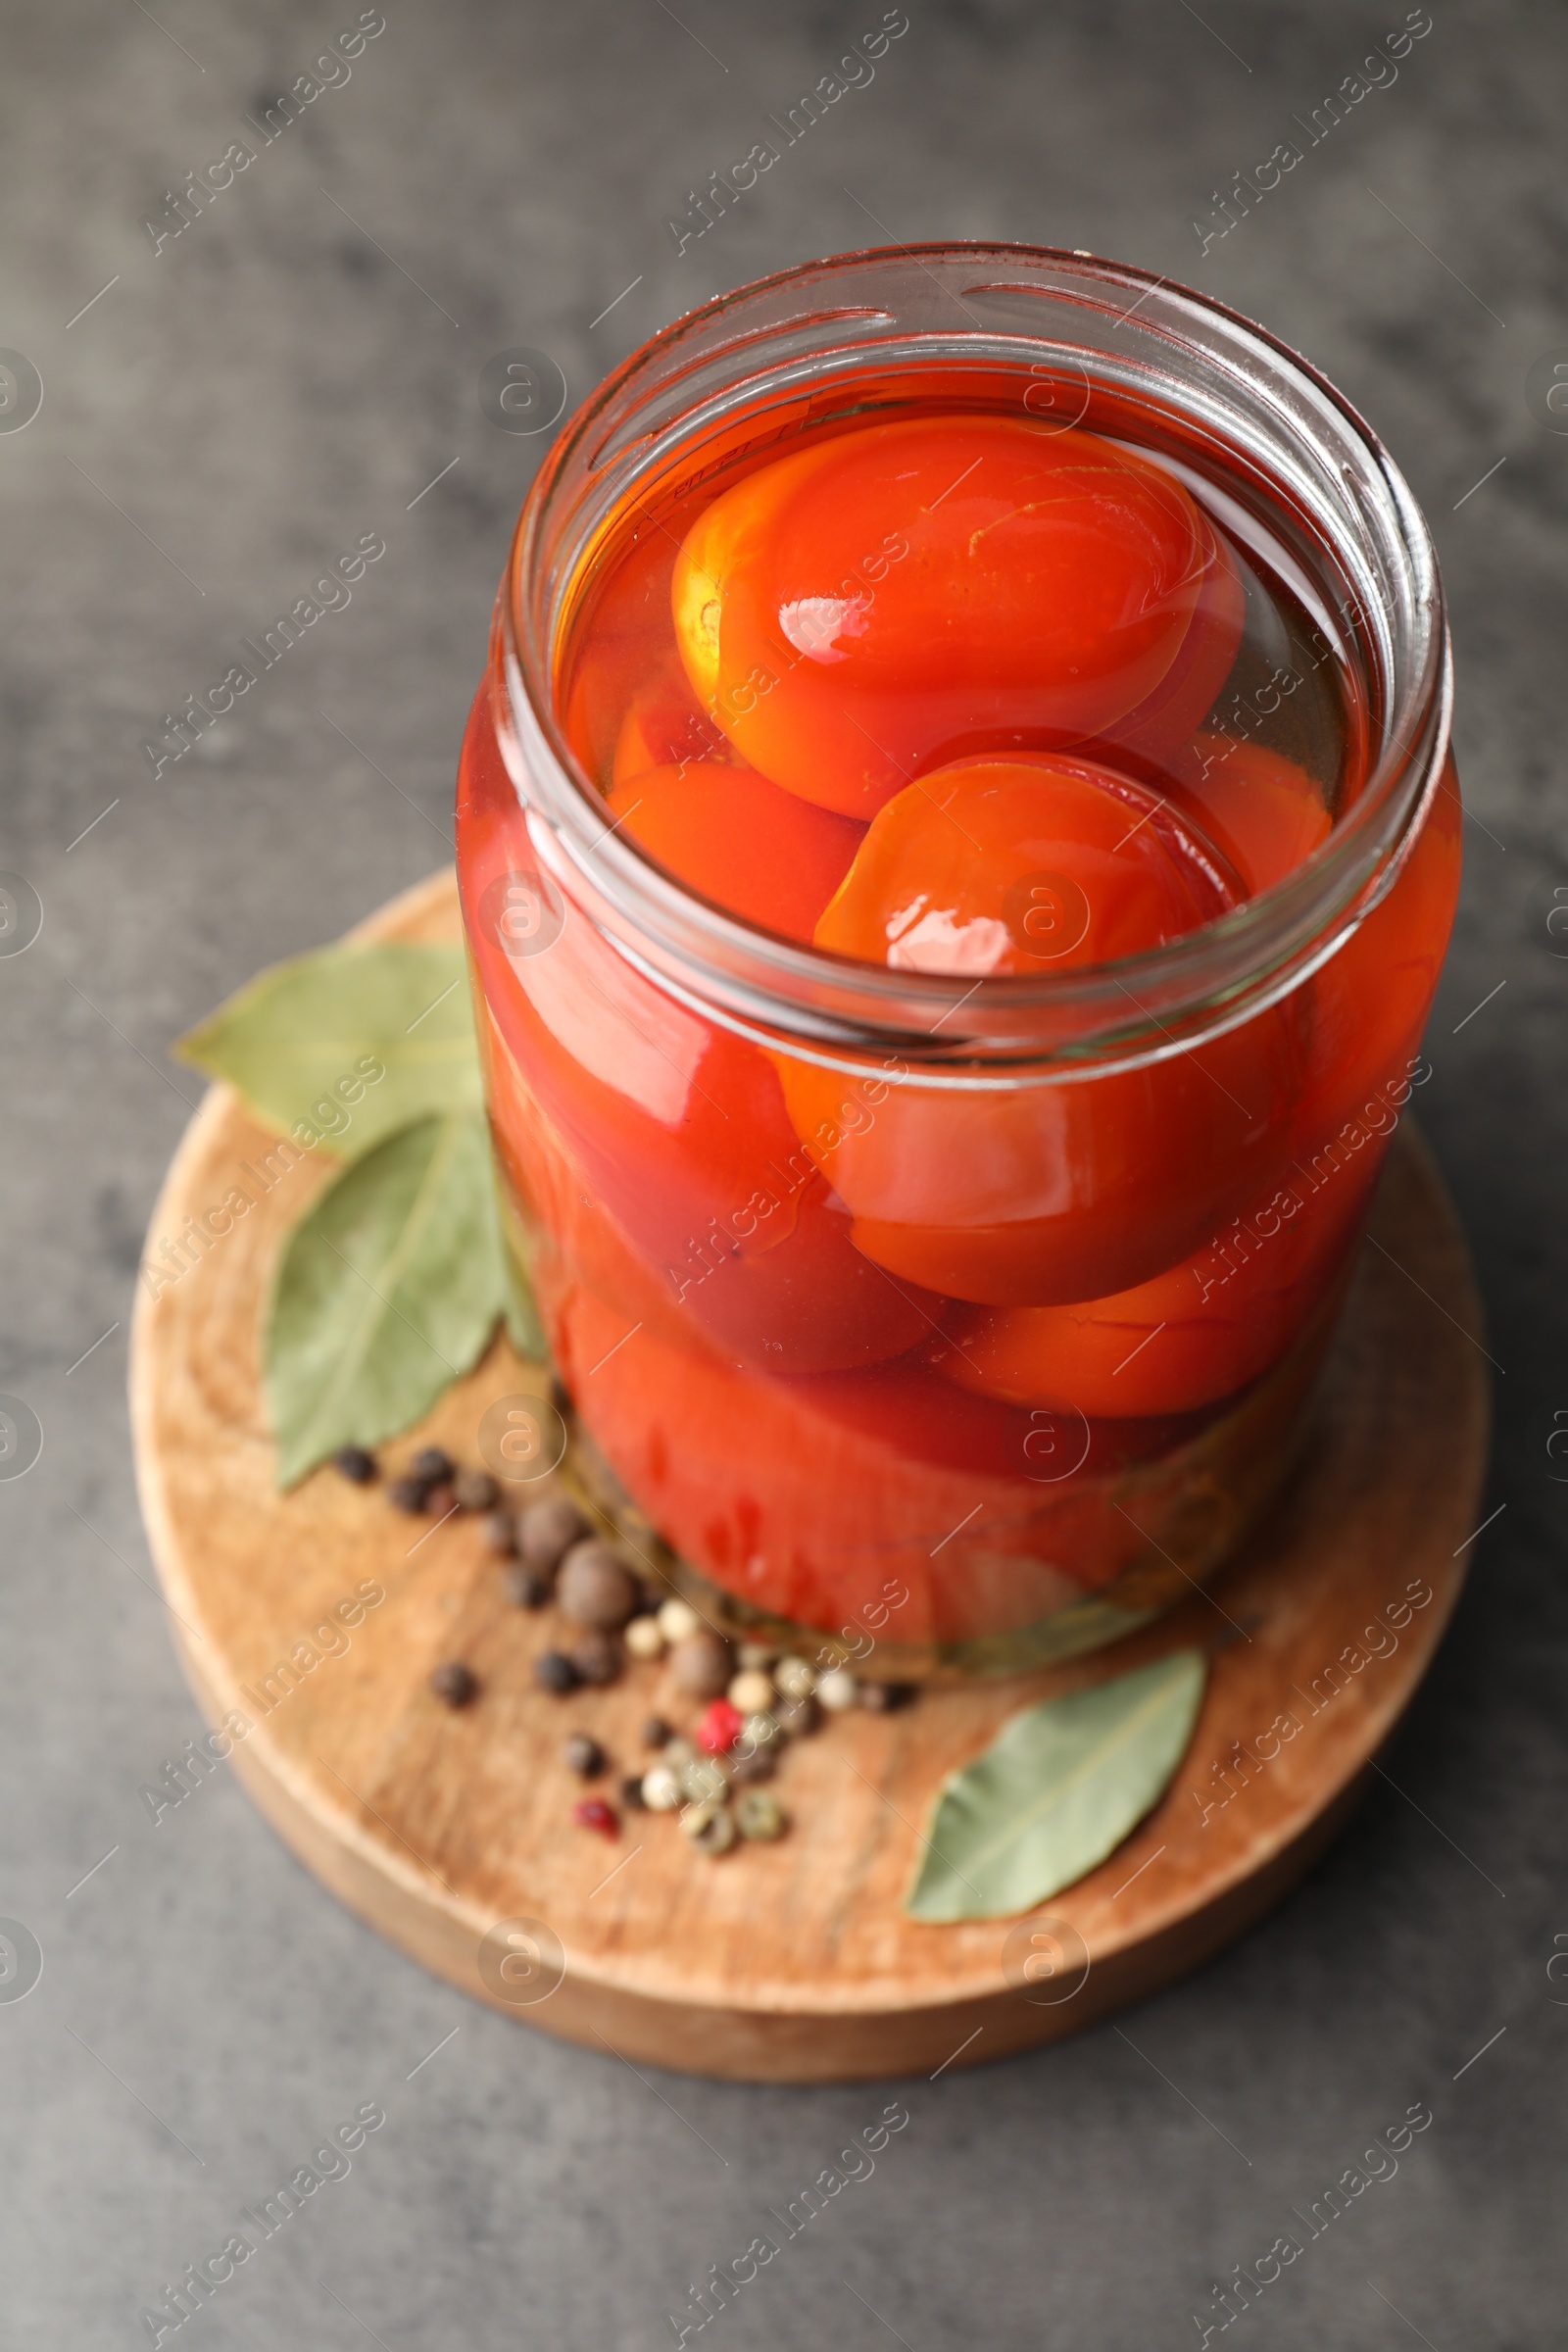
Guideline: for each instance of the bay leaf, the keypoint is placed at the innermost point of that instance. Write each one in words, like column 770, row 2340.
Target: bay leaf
column 302, row 1041
column 389, row 1286
column 1058, row 1789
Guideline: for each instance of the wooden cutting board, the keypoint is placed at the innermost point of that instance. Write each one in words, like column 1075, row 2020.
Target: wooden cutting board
column 452, row 1832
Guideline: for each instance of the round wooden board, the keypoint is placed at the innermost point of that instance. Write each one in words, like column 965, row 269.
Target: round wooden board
column 792, row 1962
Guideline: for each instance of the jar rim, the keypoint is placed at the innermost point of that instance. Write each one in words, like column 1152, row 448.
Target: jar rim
column 1305, row 443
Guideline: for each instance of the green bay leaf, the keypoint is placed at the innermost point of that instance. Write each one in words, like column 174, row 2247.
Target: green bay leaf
column 389, row 1287
column 1058, row 1789
column 301, row 1039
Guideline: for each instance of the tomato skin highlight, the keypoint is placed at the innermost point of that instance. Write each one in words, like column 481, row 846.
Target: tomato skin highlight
column 884, row 601
column 765, row 855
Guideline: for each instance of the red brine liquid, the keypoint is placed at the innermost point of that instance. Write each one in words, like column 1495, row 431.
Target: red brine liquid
column 993, row 1364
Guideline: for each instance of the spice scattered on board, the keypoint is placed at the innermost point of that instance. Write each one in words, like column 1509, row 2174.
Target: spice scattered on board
column 746, row 1701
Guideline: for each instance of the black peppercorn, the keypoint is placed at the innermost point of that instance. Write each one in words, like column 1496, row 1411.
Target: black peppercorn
column 433, row 1465
column 656, row 1732
column 584, row 1756
column 408, row 1494
column 597, row 1656
column 454, row 1683
column 797, row 1717
column 523, row 1587
column 594, row 1587
column 885, row 1698
column 354, row 1464
column 546, row 1532
column 554, row 1671
column 476, row 1490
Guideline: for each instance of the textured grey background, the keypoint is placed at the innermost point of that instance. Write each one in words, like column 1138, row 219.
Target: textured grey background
column 235, row 411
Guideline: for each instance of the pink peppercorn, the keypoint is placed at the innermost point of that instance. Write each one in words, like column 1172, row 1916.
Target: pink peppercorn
column 720, row 1727
column 592, row 1813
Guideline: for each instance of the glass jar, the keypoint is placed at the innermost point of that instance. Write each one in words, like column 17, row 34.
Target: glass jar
column 776, row 1205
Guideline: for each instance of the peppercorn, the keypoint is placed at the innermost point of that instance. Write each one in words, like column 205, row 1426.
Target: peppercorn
column 644, row 1638
column 704, row 1780
column 717, row 1733
column 885, row 1698
column 408, row 1494
column 523, row 1588
column 656, row 1732
column 661, row 1790
column 797, row 1717
column 455, row 1683
column 677, row 1619
column 597, row 1657
column 760, row 1731
column 759, row 1815
column 592, row 1813
column 760, row 1765
column 440, row 1502
column 700, row 1663
column 632, row 1794
column 548, row 1530
column 710, row 1827
column 554, row 1671
column 476, row 1490
column 354, row 1464
column 594, row 1587
column 757, row 1656
column 752, row 1692
column 432, row 1465
column 559, row 1397
column 584, row 1756
column 795, row 1677
column 836, row 1689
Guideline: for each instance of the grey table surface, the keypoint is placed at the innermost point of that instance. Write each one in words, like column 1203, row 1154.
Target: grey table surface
column 221, row 415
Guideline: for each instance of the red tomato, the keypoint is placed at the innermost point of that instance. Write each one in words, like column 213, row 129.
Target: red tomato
column 1049, row 1191
column 624, row 644
column 557, row 1226
column 1260, row 808
column 1163, row 724
column 768, row 855
column 1025, row 863
column 1197, row 1333
column 729, row 1217
column 663, row 727
column 1372, row 998
column 891, row 598
column 806, row 1497
column 1039, row 1193
column 638, row 1132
